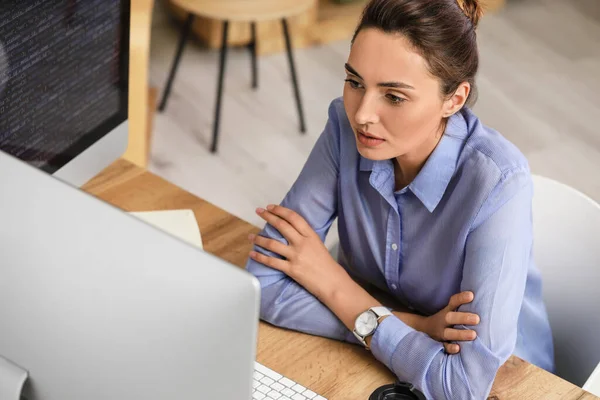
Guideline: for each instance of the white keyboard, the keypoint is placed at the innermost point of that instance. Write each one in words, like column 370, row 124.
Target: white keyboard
column 269, row 385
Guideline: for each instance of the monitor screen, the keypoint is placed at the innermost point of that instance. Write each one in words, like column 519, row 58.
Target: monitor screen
column 63, row 76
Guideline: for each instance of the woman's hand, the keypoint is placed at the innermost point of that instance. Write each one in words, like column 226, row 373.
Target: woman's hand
column 307, row 260
column 440, row 326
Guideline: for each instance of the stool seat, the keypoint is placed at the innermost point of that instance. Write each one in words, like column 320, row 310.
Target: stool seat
column 245, row 10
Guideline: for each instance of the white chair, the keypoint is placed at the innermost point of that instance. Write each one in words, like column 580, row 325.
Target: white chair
column 566, row 227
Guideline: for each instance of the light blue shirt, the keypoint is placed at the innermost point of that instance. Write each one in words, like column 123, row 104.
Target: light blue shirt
column 464, row 223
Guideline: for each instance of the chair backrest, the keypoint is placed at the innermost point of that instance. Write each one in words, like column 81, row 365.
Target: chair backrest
column 566, row 227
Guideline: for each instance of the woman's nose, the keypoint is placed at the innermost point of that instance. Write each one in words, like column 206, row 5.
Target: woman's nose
column 367, row 112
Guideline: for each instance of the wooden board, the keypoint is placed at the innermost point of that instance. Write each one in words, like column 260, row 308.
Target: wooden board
column 328, row 21
column 138, row 147
column 493, row 5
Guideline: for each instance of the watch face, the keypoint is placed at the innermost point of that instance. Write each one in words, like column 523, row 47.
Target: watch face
column 366, row 323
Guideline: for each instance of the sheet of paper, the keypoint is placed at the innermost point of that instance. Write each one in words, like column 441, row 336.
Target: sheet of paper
column 179, row 223
column 593, row 383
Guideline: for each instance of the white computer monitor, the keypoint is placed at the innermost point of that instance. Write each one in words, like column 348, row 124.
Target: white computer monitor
column 64, row 84
column 96, row 304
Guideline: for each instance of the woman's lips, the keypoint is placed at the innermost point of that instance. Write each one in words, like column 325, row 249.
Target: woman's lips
column 368, row 140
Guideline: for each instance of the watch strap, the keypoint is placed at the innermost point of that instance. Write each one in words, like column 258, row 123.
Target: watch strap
column 380, row 312
column 360, row 339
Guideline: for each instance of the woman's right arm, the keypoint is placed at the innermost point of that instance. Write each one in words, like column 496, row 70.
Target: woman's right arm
column 314, row 196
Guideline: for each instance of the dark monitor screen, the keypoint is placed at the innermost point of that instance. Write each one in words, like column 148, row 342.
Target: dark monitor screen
column 63, row 76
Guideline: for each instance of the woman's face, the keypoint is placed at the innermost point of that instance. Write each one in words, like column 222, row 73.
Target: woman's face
column 393, row 103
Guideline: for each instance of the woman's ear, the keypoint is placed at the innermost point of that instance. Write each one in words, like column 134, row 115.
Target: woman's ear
column 455, row 102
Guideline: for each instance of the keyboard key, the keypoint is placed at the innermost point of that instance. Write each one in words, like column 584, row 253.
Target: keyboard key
column 320, row 398
column 274, row 394
column 309, row 394
column 299, row 388
column 298, row 396
column 285, row 398
column 263, row 389
column 258, row 396
column 266, row 371
column 258, row 376
column 288, row 392
column 277, row 386
column 267, row 381
column 255, row 384
column 287, row 382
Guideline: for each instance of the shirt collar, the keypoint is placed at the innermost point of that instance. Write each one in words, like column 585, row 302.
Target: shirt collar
column 432, row 181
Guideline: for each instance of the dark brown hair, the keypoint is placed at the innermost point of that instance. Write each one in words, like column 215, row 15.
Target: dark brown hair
column 442, row 31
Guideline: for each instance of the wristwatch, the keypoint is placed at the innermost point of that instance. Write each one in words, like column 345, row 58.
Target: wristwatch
column 367, row 322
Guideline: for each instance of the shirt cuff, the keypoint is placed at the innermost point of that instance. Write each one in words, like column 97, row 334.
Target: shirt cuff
column 387, row 337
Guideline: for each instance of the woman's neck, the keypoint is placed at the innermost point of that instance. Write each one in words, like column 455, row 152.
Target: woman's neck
column 408, row 166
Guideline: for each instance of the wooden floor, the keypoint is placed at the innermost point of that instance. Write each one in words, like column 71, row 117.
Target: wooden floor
column 539, row 86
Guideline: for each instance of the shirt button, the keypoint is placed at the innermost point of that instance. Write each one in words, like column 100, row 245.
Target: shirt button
column 394, row 246
column 394, row 286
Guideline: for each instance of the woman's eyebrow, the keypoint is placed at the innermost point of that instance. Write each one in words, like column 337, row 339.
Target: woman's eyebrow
column 352, row 70
column 395, row 85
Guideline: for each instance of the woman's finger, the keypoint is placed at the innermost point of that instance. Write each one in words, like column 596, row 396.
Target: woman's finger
column 271, row 245
column 452, row 348
column 461, row 318
column 275, row 263
column 460, row 335
column 459, row 299
column 293, row 218
column 282, row 226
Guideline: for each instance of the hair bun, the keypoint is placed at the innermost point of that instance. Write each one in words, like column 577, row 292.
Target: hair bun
column 472, row 9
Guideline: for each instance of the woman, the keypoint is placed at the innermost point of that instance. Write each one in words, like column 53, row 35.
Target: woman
column 430, row 204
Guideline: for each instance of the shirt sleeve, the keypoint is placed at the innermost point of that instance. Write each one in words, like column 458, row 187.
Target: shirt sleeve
column 497, row 258
column 314, row 196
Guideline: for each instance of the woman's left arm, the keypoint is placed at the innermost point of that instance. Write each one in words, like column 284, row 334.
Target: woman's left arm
column 498, row 255
column 497, row 259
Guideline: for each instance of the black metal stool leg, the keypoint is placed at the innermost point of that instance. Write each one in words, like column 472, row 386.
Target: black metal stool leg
column 187, row 28
column 288, row 45
column 252, row 47
column 213, row 147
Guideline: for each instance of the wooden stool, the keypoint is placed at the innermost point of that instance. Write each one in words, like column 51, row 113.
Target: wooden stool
column 239, row 10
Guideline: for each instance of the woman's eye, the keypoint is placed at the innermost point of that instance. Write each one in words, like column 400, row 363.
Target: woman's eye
column 395, row 99
column 354, row 84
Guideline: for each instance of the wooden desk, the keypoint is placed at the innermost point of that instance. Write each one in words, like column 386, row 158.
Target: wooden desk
column 339, row 371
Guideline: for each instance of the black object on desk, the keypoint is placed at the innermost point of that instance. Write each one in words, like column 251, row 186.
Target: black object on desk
column 397, row 391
